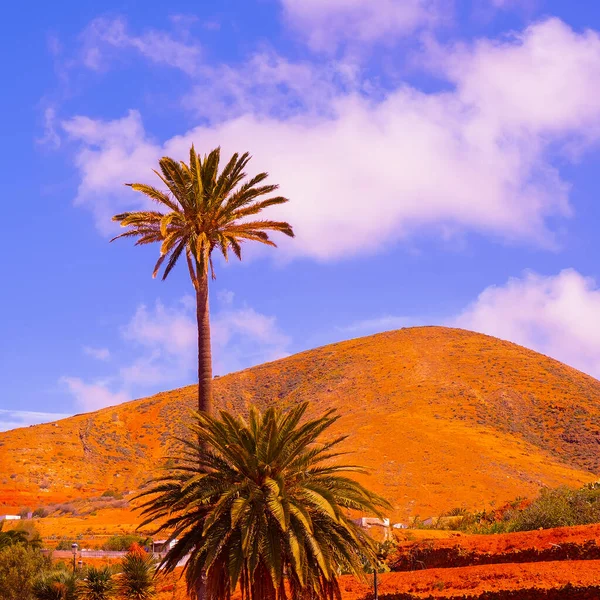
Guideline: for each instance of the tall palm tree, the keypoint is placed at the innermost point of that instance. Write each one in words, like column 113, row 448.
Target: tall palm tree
column 204, row 210
column 262, row 504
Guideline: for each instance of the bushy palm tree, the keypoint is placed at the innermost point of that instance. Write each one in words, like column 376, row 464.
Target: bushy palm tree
column 25, row 535
column 55, row 585
column 203, row 210
column 136, row 580
column 12, row 537
column 263, row 504
column 97, row 584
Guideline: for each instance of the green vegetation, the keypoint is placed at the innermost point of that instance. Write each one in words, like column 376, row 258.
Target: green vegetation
column 19, row 566
column 559, row 507
column 58, row 584
column 26, row 574
column 206, row 210
column 112, row 494
column 24, row 533
column 96, row 584
column 259, row 502
column 124, row 542
column 136, row 581
column 65, row 544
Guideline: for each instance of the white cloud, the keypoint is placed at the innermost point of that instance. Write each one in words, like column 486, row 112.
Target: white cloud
column 51, row 137
column 542, row 81
column 11, row 419
column 163, row 341
column 104, row 35
column 269, row 84
column 555, row 315
column 225, row 297
column 240, row 337
column 505, row 4
column 327, row 23
column 92, row 396
column 372, row 172
column 243, row 337
column 170, row 328
column 109, row 151
column 167, row 338
column 97, row 353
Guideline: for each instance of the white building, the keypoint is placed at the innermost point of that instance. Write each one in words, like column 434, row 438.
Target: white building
column 367, row 522
column 10, row 517
column 160, row 546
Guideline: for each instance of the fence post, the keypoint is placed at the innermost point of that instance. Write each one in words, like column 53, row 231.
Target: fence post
column 375, row 584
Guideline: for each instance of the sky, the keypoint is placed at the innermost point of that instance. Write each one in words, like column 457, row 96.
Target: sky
column 440, row 158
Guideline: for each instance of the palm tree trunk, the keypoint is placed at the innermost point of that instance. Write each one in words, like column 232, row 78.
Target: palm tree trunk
column 205, row 378
column 205, row 399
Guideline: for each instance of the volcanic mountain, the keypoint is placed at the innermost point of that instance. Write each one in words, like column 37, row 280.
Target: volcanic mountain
column 443, row 418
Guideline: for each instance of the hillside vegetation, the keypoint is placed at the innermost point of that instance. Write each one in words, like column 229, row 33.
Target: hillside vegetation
column 444, row 418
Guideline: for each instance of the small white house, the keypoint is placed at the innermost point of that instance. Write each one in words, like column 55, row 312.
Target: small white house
column 400, row 526
column 160, row 546
column 367, row 522
column 10, row 517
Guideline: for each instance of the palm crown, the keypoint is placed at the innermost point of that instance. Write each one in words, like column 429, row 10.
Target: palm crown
column 258, row 503
column 205, row 210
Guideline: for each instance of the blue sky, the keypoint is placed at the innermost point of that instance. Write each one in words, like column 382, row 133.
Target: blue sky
column 440, row 158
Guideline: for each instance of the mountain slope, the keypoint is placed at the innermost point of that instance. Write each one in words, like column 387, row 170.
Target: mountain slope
column 443, row 417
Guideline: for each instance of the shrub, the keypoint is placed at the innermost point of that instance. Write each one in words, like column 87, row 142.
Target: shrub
column 55, row 585
column 124, row 542
column 64, row 544
column 66, row 509
column 112, row 494
column 30, row 533
column 19, row 566
column 561, row 507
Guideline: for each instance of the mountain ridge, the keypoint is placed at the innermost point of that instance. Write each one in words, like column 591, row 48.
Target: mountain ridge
column 442, row 417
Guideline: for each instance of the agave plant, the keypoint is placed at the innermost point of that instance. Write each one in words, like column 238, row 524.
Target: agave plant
column 264, row 505
column 136, row 580
column 55, row 585
column 97, row 584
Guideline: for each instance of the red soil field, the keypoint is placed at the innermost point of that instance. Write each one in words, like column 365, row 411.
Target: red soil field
column 563, row 543
column 473, row 581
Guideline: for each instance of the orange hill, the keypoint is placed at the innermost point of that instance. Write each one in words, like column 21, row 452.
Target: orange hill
column 443, row 417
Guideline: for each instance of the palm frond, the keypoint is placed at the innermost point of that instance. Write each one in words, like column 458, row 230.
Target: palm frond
column 206, row 210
